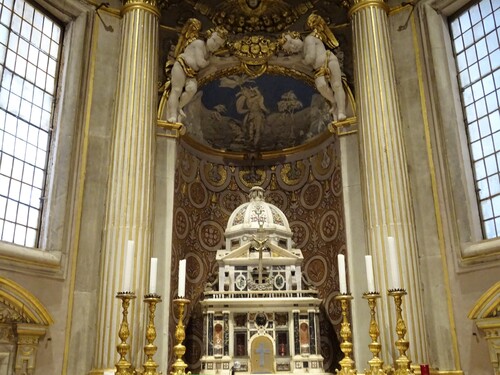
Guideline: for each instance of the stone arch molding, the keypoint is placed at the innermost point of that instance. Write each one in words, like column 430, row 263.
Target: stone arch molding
column 23, row 321
column 486, row 315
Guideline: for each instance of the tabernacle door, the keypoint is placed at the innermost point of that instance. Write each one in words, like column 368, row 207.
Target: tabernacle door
column 262, row 355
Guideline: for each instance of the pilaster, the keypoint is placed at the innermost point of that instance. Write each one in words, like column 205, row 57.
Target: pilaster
column 129, row 198
column 385, row 184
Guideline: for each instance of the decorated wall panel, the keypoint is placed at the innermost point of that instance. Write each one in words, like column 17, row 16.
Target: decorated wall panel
column 308, row 190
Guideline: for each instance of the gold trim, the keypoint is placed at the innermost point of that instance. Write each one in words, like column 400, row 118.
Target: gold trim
column 435, row 195
column 486, row 304
column 344, row 127
column 147, row 7
column 79, row 193
column 24, row 302
column 368, row 4
column 171, row 129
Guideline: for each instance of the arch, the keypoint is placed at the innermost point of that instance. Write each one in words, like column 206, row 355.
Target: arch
column 23, row 303
column 486, row 315
column 262, row 353
column 487, row 305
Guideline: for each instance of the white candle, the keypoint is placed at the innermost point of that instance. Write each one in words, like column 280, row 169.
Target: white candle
column 393, row 264
column 127, row 270
column 342, row 278
column 152, row 275
column 369, row 274
column 182, row 278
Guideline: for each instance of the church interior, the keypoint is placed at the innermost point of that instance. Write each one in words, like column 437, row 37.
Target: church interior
column 244, row 187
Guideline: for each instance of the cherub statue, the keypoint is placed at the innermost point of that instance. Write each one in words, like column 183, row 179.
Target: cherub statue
column 191, row 54
column 316, row 48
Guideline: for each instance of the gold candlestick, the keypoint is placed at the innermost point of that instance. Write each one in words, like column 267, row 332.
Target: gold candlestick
column 179, row 365
column 150, row 348
column 123, row 366
column 375, row 363
column 346, row 363
column 403, row 364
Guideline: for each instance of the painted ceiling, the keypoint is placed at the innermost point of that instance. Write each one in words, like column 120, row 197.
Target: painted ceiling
column 292, row 110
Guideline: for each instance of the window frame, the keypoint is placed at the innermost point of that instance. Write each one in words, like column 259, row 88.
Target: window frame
column 458, row 202
column 50, row 256
column 455, row 17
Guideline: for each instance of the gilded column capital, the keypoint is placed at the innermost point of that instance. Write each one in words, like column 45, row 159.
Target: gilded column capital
column 356, row 5
column 147, row 5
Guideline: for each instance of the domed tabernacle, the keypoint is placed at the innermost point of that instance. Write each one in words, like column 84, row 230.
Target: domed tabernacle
column 258, row 215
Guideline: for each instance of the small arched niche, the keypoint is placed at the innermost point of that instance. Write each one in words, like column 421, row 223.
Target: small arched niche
column 23, row 321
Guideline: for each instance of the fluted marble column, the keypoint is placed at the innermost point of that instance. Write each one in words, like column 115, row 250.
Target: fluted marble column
column 129, row 200
column 386, row 192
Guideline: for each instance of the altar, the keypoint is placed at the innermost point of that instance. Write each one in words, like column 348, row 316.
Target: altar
column 260, row 313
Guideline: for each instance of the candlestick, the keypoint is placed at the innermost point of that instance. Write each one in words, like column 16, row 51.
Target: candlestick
column 369, row 274
column 376, row 363
column 127, row 270
column 403, row 363
column 346, row 363
column 182, row 278
column 393, row 264
column 123, row 366
column 152, row 275
column 179, row 366
column 342, row 277
column 150, row 348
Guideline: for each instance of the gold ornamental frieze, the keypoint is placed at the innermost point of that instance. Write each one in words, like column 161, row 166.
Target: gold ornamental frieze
column 252, row 177
column 294, row 173
column 254, row 53
column 215, row 176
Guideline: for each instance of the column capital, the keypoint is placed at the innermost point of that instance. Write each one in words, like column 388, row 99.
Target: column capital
column 356, row 5
column 147, row 5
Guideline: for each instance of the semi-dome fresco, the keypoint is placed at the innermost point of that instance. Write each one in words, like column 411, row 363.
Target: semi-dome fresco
column 239, row 113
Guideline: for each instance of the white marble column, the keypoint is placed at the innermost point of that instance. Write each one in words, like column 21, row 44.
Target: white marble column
column 129, row 201
column 386, row 192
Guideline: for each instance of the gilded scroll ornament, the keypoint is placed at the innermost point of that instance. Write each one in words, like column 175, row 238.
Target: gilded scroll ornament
column 254, row 52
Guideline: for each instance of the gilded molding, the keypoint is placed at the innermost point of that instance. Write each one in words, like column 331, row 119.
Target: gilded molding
column 357, row 5
column 146, row 5
column 170, row 129
column 29, row 308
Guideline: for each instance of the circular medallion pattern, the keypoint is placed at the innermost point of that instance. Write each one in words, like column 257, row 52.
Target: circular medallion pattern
column 231, row 200
column 278, row 198
column 333, row 310
column 300, row 232
column 198, row 194
column 311, row 195
column 193, row 355
column 181, row 223
column 195, row 273
column 337, row 182
column 210, row 235
column 329, row 226
column 316, row 269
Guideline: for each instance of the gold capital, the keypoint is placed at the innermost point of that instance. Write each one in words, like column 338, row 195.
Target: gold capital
column 357, row 5
column 147, row 5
